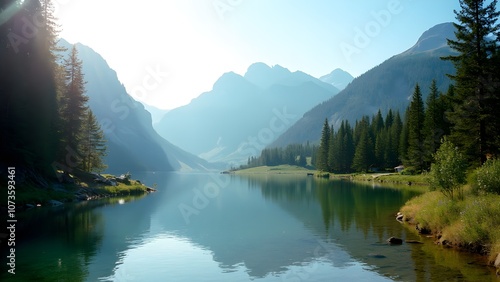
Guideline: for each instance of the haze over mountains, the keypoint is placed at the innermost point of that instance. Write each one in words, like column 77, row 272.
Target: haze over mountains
column 132, row 143
column 386, row 86
column 266, row 107
column 243, row 114
column 338, row 78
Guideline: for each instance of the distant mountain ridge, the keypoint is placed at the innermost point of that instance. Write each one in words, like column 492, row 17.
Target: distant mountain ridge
column 132, row 143
column 243, row 114
column 386, row 86
column 338, row 78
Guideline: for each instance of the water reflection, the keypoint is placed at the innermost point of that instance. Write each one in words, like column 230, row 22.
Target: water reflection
column 263, row 228
column 266, row 237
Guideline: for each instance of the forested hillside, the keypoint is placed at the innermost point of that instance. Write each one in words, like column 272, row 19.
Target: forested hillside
column 387, row 86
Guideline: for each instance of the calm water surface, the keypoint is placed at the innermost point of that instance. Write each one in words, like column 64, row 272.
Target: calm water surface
column 211, row 227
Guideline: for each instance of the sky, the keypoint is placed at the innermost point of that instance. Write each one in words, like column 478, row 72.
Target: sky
column 168, row 52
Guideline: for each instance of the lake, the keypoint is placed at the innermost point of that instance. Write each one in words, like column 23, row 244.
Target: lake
column 214, row 227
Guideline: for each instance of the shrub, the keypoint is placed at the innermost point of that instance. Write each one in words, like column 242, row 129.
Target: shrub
column 448, row 172
column 480, row 220
column 409, row 171
column 487, row 177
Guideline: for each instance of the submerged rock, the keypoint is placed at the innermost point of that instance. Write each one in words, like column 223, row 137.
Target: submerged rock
column 379, row 256
column 395, row 241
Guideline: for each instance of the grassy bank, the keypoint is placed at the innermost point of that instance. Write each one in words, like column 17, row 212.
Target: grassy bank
column 78, row 187
column 390, row 178
column 472, row 224
column 280, row 169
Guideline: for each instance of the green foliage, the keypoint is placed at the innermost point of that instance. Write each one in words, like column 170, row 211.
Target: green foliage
column 72, row 103
column 480, row 220
column 439, row 212
column 448, row 172
column 475, row 116
column 92, row 144
column 363, row 156
column 434, row 124
column 322, row 157
column 409, row 171
column 294, row 154
column 487, row 177
column 471, row 223
column 415, row 124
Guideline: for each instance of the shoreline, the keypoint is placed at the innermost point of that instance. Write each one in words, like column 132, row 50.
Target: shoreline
column 414, row 182
column 78, row 186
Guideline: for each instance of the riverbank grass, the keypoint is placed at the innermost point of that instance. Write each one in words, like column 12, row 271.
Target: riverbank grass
column 280, row 169
column 135, row 187
column 472, row 223
column 83, row 184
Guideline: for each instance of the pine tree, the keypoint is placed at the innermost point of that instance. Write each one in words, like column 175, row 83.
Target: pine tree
column 434, row 124
column 92, row 144
column 475, row 112
column 322, row 156
column 73, row 103
column 415, row 114
column 348, row 148
column 389, row 119
column 403, row 138
column 364, row 153
column 395, row 132
column 333, row 150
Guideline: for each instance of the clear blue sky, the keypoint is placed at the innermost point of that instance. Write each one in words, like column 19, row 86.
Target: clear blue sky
column 169, row 52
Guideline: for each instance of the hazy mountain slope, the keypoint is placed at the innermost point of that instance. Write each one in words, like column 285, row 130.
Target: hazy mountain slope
column 156, row 113
column 338, row 78
column 133, row 144
column 243, row 114
column 387, row 86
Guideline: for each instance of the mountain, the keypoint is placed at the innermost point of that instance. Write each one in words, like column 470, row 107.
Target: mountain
column 156, row 113
column 338, row 78
column 386, row 86
column 241, row 115
column 133, row 144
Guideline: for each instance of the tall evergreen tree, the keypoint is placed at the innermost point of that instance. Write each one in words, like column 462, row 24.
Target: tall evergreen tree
column 377, row 123
column 73, row 104
column 434, row 124
column 393, row 157
column 333, row 150
column 389, row 119
column 322, row 157
column 92, row 144
column 475, row 110
column 403, row 138
column 348, row 148
column 415, row 153
column 364, row 154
